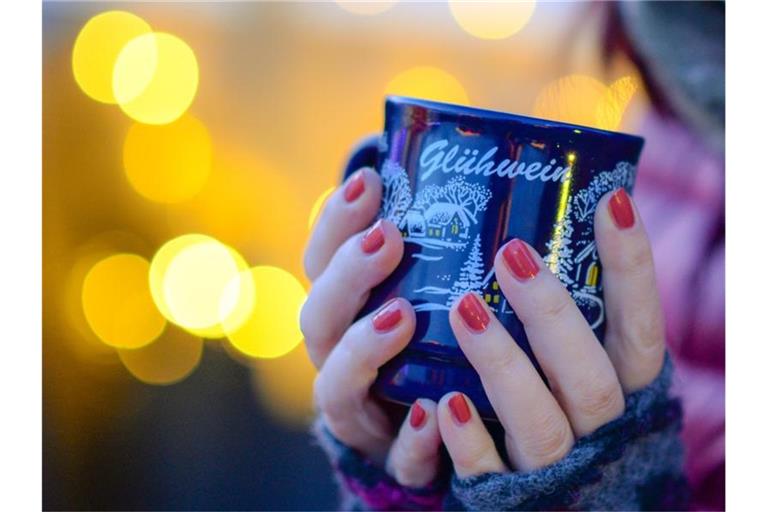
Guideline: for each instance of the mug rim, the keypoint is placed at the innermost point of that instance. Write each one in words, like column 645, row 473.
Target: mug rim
column 497, row 115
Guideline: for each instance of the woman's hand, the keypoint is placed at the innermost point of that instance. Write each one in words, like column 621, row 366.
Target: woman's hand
column 587, row 382
column 345, row 260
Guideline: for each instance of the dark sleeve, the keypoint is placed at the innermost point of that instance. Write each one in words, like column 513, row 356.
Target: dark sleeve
column 632, row 463
column 365, row 486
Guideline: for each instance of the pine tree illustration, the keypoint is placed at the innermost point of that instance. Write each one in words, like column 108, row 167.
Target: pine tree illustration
column 560, row 257
column 470, row 275
column 396, row 194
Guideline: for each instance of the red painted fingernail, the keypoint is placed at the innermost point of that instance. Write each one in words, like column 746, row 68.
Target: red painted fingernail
column 520, row 260
column 418, row 416
column 373, row 239
column 388, row 316
column 355, row 186
column 473, row 313
column 459, row 408
column 620, row 207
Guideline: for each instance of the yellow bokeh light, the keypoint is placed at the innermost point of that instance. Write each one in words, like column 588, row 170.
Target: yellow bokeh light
column 252, row 204
column 117, row 302
column 284, row 385
column 366, row 7
column 318, row 205
column 168, row 360
column 155, row 78
column 96, row 49
column 610, row 111
column 428, row 83
column 581, row 99
column 168, row 163
column 492, row 20
column 69, row 304
column 272, row 329
column 191, row 281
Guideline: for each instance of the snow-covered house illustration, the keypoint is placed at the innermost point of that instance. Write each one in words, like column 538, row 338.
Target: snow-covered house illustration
column 448, row 221
column 415, row 224
column 445, row 212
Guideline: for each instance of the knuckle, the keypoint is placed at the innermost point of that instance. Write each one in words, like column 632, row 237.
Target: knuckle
column 500, row 364
column 645, row 337
column 637, row 259
column 311, row 265
column 326, row 401
column 549, row 439
column 407, row 466
column 554, row 306
column 304, row 319
column 474, row 456
column 602, row 400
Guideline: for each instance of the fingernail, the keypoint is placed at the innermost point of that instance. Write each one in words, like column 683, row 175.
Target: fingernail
column 373, row 239
column 520, row 260
column 620, row 207
column 354, row 187
column 473, row 313
column 388, row 316
column 459, row 408
column 418, row 416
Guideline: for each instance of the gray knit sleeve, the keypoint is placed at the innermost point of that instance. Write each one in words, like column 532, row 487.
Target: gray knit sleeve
column 632, row 463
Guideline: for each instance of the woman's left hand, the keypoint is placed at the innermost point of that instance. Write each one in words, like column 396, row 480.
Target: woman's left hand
column 587, row 380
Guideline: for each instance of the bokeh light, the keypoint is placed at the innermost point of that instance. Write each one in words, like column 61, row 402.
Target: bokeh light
column 317, row 206
column 492, row 20
column 155, row 78
column 168, row 360
column 191, row 276
column 250, row 203
column 284, row 386
column 81, row 339
column 117, row 302
column 428, row 83
column 96, row 49
column 366, row 7
column 272, row 329
column 610, row 111
column 168, row 163
column 581, row 99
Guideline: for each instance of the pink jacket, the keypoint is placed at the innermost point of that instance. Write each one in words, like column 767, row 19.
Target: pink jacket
column 680, row 195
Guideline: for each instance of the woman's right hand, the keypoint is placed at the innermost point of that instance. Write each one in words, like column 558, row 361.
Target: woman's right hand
column 345, row 259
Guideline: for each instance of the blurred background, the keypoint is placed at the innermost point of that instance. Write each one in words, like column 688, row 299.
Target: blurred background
column 187, row 149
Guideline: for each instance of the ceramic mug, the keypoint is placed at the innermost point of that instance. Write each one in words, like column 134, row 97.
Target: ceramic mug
column 460, row 182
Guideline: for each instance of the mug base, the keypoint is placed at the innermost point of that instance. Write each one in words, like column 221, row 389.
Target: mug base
column 411, row 376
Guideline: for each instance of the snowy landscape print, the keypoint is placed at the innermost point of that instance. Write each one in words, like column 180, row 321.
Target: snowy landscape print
column 572, row 250
column 443, row 220
column 438, row 218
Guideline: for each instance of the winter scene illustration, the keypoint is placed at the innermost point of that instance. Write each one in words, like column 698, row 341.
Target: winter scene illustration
column 576, row 264
column 444, row 218
column 439, row 218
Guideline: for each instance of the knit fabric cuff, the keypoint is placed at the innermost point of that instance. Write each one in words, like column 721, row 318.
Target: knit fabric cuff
column 633, row 462
column 366, row 486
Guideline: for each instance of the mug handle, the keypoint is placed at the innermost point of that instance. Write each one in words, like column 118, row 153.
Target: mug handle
column 364, row 154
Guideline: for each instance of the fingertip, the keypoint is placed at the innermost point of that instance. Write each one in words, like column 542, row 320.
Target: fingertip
column 422, row 418
column 414, row 458
column 621, row 246
column 361, row 187
column 395, row 319
column 468, row 442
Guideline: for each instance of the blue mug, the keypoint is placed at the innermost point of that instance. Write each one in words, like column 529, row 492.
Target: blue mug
column 459, row 183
